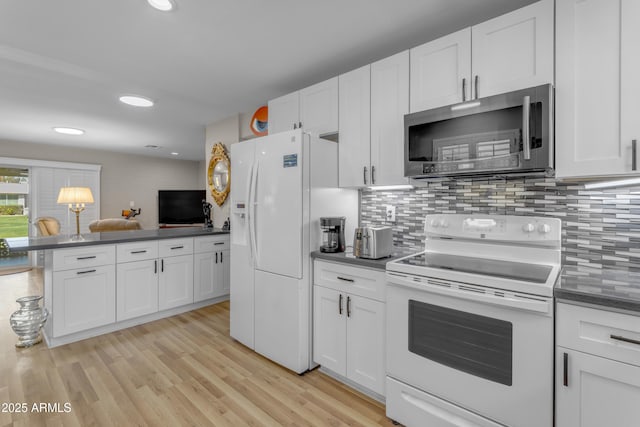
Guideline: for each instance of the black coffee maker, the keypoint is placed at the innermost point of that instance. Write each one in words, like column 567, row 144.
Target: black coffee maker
column 332, row 234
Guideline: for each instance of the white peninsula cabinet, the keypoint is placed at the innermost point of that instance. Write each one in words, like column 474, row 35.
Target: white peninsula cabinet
column 510, row 52
column 597, row 87
column 373, row 102
column 85, row 289
column 349, row 324
column 99, row 288
column 211, row 267
column 314, row 108
column 597, row 367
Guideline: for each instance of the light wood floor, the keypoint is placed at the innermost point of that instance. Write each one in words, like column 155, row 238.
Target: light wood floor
column 184, row 370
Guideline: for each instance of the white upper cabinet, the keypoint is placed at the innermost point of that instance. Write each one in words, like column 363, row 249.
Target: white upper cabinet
column 314, row 108
column 513, row 51
column 441, row 71
column 284, row 113
column 389, row 104
column 354, row 165
column 597, row 87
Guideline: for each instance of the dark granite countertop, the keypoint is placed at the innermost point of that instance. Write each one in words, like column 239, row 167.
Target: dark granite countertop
column 111, row 237
column 617, row 289
column 349, row 258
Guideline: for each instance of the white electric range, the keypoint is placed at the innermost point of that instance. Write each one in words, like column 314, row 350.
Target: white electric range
column 470, row 323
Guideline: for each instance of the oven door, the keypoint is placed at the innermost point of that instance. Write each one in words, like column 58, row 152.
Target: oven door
column 485, row 350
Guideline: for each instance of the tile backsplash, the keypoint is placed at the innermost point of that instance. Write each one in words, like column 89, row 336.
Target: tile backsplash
column 600, row 228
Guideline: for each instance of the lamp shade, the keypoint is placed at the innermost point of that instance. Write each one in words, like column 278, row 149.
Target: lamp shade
column 70, row 195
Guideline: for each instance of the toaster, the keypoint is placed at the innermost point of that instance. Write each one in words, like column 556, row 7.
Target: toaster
column 372, row 242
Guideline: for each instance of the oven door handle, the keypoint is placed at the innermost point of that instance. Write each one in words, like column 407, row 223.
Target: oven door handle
column 522, row 303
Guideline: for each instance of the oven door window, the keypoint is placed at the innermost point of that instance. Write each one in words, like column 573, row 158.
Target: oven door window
column 478, row 345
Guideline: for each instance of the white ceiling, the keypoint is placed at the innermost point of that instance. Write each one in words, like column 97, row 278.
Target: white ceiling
column 65, row 62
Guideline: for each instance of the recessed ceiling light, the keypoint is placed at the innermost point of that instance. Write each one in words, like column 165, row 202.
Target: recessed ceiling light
column 163, row 5
column 69, row 131
column 173, row 153
column 136, row 101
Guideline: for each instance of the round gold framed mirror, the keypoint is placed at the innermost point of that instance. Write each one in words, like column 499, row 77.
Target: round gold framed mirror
column 219, row 174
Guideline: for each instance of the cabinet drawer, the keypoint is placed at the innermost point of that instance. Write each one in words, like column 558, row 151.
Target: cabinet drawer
column 137, row 251
column 211, row 243
column 87, row 256
column 360, row 281
column 174, row 247
column 600, row 332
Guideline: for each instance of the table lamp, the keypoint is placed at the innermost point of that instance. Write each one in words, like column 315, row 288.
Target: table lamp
column 75, row 197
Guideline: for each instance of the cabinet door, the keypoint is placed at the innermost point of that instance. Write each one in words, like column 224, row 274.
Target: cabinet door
column 389, row 104
column 83, row 299
column 226, row 272
column 329, row 329
column 514, row 51
column 283, row 113
column 596, row 86
column 441, row 71
column 354, row 158
column 175, row 286
column 365, row 342
column 599, row 391
column 136, row 289
column 319, row 108
column 205, row 276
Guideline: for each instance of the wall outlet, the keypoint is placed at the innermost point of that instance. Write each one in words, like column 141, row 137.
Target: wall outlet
column 390, row 213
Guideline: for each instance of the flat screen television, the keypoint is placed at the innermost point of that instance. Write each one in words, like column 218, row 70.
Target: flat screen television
column 180, row 206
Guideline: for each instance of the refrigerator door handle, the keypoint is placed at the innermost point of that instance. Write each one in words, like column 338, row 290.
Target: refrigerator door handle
column 248, row 212
column 252, row 210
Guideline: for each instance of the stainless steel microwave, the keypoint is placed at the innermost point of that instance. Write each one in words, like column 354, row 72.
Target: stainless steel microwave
column 506, row 133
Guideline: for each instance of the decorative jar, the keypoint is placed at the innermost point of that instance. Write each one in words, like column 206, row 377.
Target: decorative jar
column 28, row 320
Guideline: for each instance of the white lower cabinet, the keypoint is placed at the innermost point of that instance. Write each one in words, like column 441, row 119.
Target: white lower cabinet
column 136, row 289
column 597, row 367
column 348, row 329
column 211, row 268
column 83, row 299
column 175, row 285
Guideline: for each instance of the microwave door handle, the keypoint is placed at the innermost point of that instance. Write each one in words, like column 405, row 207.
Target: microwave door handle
column 526, row 141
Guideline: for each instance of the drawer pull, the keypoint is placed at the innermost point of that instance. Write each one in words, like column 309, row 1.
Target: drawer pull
column 340, row 305
column 85, row 272
column 86, row 257
column 216, row 257
column 162, row 266
column 220, row 256
column 219, row 243
column 139, row 252
column 621, row 338
column 155, row 266
column 348, row 306
column 345, row 279
column 565, row 366
column 177, row 247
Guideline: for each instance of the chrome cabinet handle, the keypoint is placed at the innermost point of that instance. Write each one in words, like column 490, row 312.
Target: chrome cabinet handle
column 85, row 272
column 299, row 125
column 345, row 279
column 464, row 89
column 476, row 86
column 364, row 175
column 216, row 257
column 155, row 266
column 348, row 306
column 162, row 266
column 526, row 142
column 221, row 257
column 625, row 339
column 177, row 247
column 565, row 374
column 634, row 159
column 340, row 305
column 85, row 257
column 295, row 126
column 138, row 252
column 218, row 243
column 373, row 174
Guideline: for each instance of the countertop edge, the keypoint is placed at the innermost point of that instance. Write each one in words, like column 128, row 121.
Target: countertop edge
column 596, row 300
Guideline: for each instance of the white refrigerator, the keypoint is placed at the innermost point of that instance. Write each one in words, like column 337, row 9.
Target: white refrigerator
column 281, row 185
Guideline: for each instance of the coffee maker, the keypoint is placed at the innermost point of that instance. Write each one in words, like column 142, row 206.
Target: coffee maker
column 332, row 234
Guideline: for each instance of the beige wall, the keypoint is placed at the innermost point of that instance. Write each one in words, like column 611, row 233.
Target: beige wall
column 124, row 177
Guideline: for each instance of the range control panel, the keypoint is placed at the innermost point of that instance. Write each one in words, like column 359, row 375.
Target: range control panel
column 506, row 228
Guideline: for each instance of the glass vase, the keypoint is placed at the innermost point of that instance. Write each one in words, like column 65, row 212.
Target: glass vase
column 28, row 320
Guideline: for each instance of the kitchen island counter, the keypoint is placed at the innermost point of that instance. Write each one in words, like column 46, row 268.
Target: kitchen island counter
column 612, row 289
column 110, row 237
